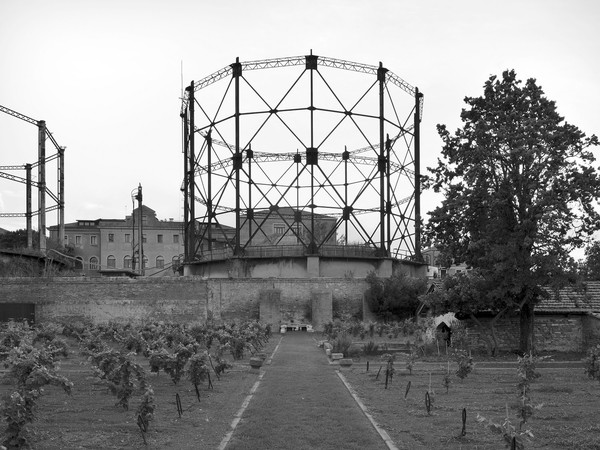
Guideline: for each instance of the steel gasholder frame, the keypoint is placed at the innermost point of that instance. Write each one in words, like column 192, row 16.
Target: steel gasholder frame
column 234, row 132
column 59, row 198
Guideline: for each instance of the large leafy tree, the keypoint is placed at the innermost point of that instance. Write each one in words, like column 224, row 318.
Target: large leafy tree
column 520, row 193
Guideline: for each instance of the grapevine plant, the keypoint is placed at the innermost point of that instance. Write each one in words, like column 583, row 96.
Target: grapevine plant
column 31, row 367
column 179, row 350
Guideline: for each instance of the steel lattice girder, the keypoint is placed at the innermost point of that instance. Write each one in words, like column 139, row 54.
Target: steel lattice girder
column 225, row 159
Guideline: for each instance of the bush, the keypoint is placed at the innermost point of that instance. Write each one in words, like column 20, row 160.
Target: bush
column 341, row 344
column 395, row 297
column 370, row 348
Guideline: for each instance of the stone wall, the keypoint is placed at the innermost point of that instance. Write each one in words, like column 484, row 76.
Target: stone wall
column 183, row 299
column 591, row 331
column 556, row 332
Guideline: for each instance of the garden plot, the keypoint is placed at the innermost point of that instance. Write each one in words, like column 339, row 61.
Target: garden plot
column 567, row 418
column 90, row 389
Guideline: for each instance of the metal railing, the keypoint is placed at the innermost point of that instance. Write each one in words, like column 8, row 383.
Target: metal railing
column 279, row 251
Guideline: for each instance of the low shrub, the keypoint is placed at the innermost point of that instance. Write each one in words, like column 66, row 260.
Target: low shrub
column 341, row 344
column 370, row 348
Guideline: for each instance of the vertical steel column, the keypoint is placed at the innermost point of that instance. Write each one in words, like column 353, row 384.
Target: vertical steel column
column 140, row 230
column 42, row 185
column 381, row 71
column 191, row 226
column 388, row 203
column 28, row 213
column 186, row 207
column 312, row 153
column 417, row 159
column 61, row 196
column 209, row 204
column 133, row 257
column 249, row 216
column 237, row 157
column 346, row 214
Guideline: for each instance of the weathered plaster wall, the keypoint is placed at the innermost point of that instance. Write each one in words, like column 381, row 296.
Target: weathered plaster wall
column 301, row 267
column 184, row 299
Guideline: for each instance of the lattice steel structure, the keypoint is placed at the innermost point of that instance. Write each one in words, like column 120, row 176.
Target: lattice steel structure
column 40, row 184
column 315, row 135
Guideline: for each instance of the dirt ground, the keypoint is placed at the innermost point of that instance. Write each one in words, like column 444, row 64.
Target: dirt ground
column 567, row 419
column 89, row 419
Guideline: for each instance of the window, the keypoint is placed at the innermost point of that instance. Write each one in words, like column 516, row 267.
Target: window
column 175, row 260
column 93, row 240
column 159, row 238
column 93, row 263
column 144, row 238
column 66, row 238
column 77, row 240
column 175, row 239
column 160, row 262
column 278, row 228
column 145, row 261
column 127, row 238
column 111, row 237
column 127, row 262
column 111, row 262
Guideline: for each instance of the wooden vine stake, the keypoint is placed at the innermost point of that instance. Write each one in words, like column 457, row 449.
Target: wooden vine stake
column 407, row 389
column 178, row 403
column 464, row 422
column 143, row 426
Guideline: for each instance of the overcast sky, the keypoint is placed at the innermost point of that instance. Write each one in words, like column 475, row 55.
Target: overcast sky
column 106, row 75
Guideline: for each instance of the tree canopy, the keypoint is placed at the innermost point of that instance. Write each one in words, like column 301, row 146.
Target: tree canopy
column 396, row 297
column 519, row 193
column 590, row 268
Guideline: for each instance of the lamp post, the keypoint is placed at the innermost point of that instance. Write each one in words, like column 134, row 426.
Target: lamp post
column 140, row 250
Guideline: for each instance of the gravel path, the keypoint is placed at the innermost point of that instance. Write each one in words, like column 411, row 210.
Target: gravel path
column 301, row 403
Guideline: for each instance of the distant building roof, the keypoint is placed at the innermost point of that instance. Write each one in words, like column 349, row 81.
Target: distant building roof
column 287, row 211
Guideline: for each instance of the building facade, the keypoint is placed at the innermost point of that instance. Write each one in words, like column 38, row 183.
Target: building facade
column 287, row 226
column 431, row 257
column 112, row 245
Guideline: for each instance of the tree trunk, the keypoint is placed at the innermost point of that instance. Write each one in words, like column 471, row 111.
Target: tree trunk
column 526, row 328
